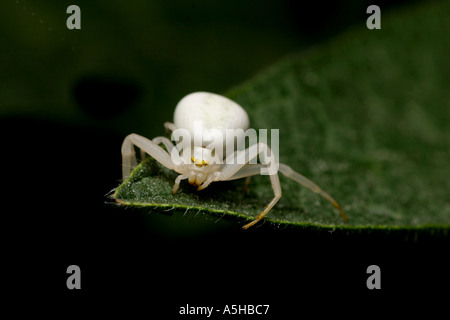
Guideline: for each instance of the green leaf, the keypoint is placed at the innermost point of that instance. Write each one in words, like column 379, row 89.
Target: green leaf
column 364, row 116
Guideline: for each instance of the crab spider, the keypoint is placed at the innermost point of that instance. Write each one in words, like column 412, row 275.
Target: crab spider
column 213, row 113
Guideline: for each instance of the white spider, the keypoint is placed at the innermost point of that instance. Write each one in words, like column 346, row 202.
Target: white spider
column 214, row 113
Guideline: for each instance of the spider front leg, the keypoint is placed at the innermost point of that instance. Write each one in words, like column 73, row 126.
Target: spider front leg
column 129, row 160
column 242, row 170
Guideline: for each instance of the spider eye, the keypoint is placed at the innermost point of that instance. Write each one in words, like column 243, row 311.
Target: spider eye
column 198, row 162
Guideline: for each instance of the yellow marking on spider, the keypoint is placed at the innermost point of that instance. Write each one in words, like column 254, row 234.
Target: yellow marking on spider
column 199, row 163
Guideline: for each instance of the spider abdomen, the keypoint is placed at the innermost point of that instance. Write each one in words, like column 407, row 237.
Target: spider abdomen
column 208, row 111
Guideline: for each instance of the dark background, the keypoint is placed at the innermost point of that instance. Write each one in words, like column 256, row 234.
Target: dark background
column 68, row 98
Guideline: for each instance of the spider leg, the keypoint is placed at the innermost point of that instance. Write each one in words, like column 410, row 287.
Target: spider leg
column 241, row 158
column 177, row 182
column 165, row 141
column 247, row 171
column 169, row 127
column 288, row 172
column 207, row 182
column 129, row 160
column 243, row 169
column 276, row 186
